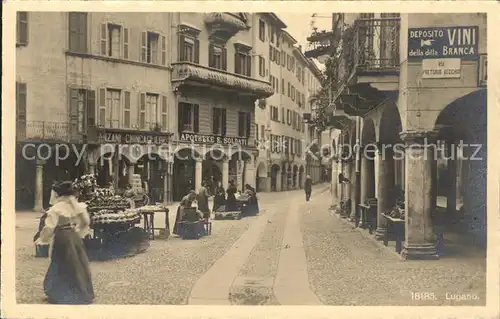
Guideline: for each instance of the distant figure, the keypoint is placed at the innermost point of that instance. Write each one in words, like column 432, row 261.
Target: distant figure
column 308, row 187
column 252, row 208
column 203, row 201
column 342, row 179
column 219, row 196
column 231, row 197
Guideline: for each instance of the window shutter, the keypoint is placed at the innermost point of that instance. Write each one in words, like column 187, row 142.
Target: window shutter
column 271, row 112
column 248, row 124
column 126, row 36
column 73, row 31
column 237, row 64
column 180, row 117
column 196, row 51
column 196, row 120
column 91, row 120
column 215, row 121
column 249, row 65
column 126, row 110
column 283, row 58
column 164, row 113
column 103, row 32
column 21, row 99
column 143, row 47
column 181, row 48
column 22, row 28
column 102, row 107
column 73, row 113
column 211, row 58
column 224, row 59
column 163, row 58
column 224, row 127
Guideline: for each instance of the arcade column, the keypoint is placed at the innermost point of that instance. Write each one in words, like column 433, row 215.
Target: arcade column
column 385, row 161
column 225, row 173
column 131, row 172
column 367, row 183
column 249, row 172
column 334, row 183
column 197, row 172
column 419, row 237
column 38, row 207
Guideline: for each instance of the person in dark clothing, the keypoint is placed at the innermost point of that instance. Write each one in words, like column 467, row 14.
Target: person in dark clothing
column 219, row 197
column 343, row 179
column 231, row 197
column 308, row 187
column 203, row 201
column 252, row 204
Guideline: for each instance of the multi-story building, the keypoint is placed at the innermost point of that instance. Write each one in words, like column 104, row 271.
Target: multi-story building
column 279, row 121
column 102, row 80
column 410, row 82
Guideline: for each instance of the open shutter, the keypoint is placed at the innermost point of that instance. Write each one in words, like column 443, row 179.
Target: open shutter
column 22, row 28
column 215, row 121
column 126, row 110
column 237, row 64
column 102, row 107
column 196, row 121
column 224, row 122
column 73, row 31
column 73, row 113
column 249, row 65
column 163, row 51
column 21, row 99
column 126, row 39
column 196, row 51
column 224, row 59
column 181, row 48
column 90, row 109
column 164, row 113
column 248, row 124
column 103, row 32
column 211, row 60
column 143, row 46
column 180, row 117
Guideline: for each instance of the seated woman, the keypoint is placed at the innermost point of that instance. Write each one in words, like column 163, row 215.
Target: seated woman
column 186, row 202
column 129, row 194
column 252, row 207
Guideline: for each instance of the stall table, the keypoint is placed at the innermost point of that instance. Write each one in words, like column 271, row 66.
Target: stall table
column 398, row 225
column 148, row 215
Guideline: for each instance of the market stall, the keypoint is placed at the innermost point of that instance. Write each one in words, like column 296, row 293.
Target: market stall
column 223, row 213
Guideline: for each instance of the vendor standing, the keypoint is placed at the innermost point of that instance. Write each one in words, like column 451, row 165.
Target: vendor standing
column 219, row 197
column 203, row 201
column 231, row 197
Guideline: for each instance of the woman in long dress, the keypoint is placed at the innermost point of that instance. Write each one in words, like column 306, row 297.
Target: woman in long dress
column 186, row 202
column 219, row 197
column 203, row 201
column 231, row 197
column 68, row 279
column 252, row 203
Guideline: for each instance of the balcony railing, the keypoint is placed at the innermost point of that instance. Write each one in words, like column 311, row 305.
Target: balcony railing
column 375, row 44
column 224, row 20
column 184, row 72
column 43, row 131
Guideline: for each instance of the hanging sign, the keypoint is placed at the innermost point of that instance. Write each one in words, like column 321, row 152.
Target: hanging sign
column 213, row 139
column 443, row 42
column 441, row 68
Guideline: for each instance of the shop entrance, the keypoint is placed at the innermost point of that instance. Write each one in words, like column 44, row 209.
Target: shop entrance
column 183, row 172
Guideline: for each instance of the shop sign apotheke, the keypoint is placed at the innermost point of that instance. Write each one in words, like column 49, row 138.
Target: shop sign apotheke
column 443, row 42
column 213, row 139
column 117, row 137
column 441, row 68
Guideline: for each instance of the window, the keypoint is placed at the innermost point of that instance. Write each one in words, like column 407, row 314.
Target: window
column 262, row 30
column 78, row 32
column 262, row 132
column 289, row 89
column 303, row 77
column 243, row 64
column 283, row 115
column 21, row 100
column 219, row 121
column 22, row 29
column 81, row 109
column 126, row 110
column 277, row 55
column 283, row 58
column 188, row 117
column 262, row 66
column 288, row 117
column 292, row 94
column 217, row 57
column 273, row 34
column 274, row 114
column 244, row 122
column 152, row 104
column 271, row 53
column 164, row 111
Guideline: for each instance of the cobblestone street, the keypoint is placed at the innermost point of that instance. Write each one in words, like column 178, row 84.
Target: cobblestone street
column 266, row 260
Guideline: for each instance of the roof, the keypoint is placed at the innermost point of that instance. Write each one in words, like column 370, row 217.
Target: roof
column 315, row 70
column 289, row 36
column 275, row 19
column 299, row 54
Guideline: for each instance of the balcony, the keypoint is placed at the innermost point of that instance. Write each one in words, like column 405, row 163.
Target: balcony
column 224, row 25
column 325, row 43
column 186, row 74
column 43, row 131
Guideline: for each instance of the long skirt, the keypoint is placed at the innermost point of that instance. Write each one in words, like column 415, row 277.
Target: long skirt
column 219, row 200
column 68, row 279
column 177, row 220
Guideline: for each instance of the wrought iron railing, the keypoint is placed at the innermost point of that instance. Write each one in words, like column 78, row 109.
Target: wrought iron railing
column 376, row 44
column 43, row 131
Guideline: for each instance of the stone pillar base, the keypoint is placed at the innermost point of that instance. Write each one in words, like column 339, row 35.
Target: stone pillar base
column 380, row 233
column 419, row 251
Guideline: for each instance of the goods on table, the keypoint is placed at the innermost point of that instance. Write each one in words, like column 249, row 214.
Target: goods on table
column 398, row 211
column 103, row 200
column 108, row 216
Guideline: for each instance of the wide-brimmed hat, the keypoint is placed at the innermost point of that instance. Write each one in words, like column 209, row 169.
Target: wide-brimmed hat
column 63, row 188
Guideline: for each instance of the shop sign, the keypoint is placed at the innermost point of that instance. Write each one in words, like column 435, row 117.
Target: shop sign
column 441, row 68
column 443, row 42
column 213, row 139
column 116, row 137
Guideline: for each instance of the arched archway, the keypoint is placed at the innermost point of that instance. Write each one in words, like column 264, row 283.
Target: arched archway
column 152, row 168
column 261, row 177
column 212, row 168
column 275, row 171
column 295, row 172
column 237, row 167
column 184, row 171
column 462, row 129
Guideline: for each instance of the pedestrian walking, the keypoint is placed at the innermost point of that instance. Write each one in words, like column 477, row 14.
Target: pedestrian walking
column 308, row 187
column 68, row 279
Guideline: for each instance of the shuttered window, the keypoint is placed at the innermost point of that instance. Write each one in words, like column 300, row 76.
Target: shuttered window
column 21, row 104
column 189, row 49
column 78, row 32
column 22, row 29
